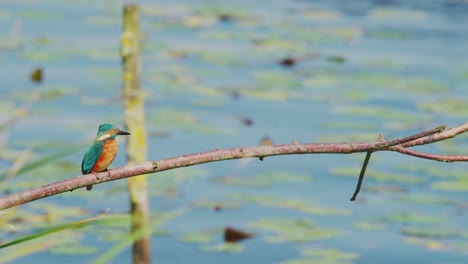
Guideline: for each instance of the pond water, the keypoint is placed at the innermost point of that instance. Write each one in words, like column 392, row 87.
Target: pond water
column 213, row 78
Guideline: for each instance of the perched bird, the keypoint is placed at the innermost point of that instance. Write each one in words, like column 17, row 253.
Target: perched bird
column 103, row 151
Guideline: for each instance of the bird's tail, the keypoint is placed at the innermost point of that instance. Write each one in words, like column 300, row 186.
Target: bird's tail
column 89, row 187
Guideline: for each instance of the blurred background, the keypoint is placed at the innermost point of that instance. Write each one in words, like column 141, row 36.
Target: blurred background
column 221, row 74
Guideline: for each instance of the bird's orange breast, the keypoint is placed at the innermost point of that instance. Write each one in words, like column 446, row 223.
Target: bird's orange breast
column 109, row 151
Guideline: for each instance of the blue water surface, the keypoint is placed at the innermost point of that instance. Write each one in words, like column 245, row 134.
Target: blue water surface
column 400, row 59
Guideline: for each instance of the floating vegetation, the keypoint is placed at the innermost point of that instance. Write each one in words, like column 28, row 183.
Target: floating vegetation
column 103, row 20
column 308, row 207
column 398, row 14
column 47, row 93
column 325, row 256
column 270, row 79
column 259, row 93
column 170, row 118
column 379, row 176
column 347, row 137
column 432, row 170
column 42, row 56
column 429, row 231
column 336, row 59
column 216, row 205
column 458, row 185
column 417, row 84
column 201, row 237
column 454, row 106
column 413, row 218
column 167, row 182
column 321, row 14
column 370, row 226
column 54, row 213
column 293, row 230
column 429, row 244
column 73, row 249
column 45, row 160
column 266, row 179
column 380, row 112
column 220, row 58
column 427, row 199
column 224, row 247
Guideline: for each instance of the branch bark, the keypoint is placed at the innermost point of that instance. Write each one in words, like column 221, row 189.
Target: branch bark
column 398, row 145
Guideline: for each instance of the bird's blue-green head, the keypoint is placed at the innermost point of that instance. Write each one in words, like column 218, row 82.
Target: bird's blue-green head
column 108, row 131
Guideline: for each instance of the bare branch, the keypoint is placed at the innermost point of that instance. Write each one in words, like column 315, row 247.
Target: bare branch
column 399, row 145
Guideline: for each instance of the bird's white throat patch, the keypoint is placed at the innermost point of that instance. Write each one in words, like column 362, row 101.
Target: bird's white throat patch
column 103, row 137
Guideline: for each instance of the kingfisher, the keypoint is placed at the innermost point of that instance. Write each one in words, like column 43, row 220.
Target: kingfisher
column 103, row 151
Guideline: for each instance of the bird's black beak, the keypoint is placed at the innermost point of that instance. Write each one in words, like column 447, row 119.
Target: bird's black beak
column 123, row 133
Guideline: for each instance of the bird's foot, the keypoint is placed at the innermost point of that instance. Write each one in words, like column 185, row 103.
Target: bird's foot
column 89, row 187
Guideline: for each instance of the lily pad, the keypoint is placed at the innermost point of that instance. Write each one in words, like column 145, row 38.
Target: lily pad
column 454, row 106
column 73, row 249
column 370, row 226
column 427, row 199
column 347, row 137
column 416, row 84
column 379, row 176
column 216, row 205
column 399, row 14
column 413, row 218
column 224, row 247
column 220, row 58
column 429, row 244
column 167, row 182
column 42, row 15
column 429, row 232
column 178, row 119
column 259, row 93
column 326, row 256
column 293, row 230
column 380, row 112
column 265, row 179
column 269, row 79
column 459, row 185
column 42, row 56
column 308, row 207
column 201, row 237
column 103, row 20
column 55, row 213
column 432, row 170
column 344, row 125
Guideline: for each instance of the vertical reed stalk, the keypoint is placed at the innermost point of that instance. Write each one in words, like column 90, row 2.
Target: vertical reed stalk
column 135, row 123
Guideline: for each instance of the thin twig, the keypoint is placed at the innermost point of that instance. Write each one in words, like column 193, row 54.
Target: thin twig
column 443, row 158
column 361, row 175
column 449, row 133
column 400, row 141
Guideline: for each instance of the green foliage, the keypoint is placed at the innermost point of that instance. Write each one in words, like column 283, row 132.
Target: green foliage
column 51, row 230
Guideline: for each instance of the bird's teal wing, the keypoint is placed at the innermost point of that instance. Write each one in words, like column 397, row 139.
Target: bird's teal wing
column 91, row 157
